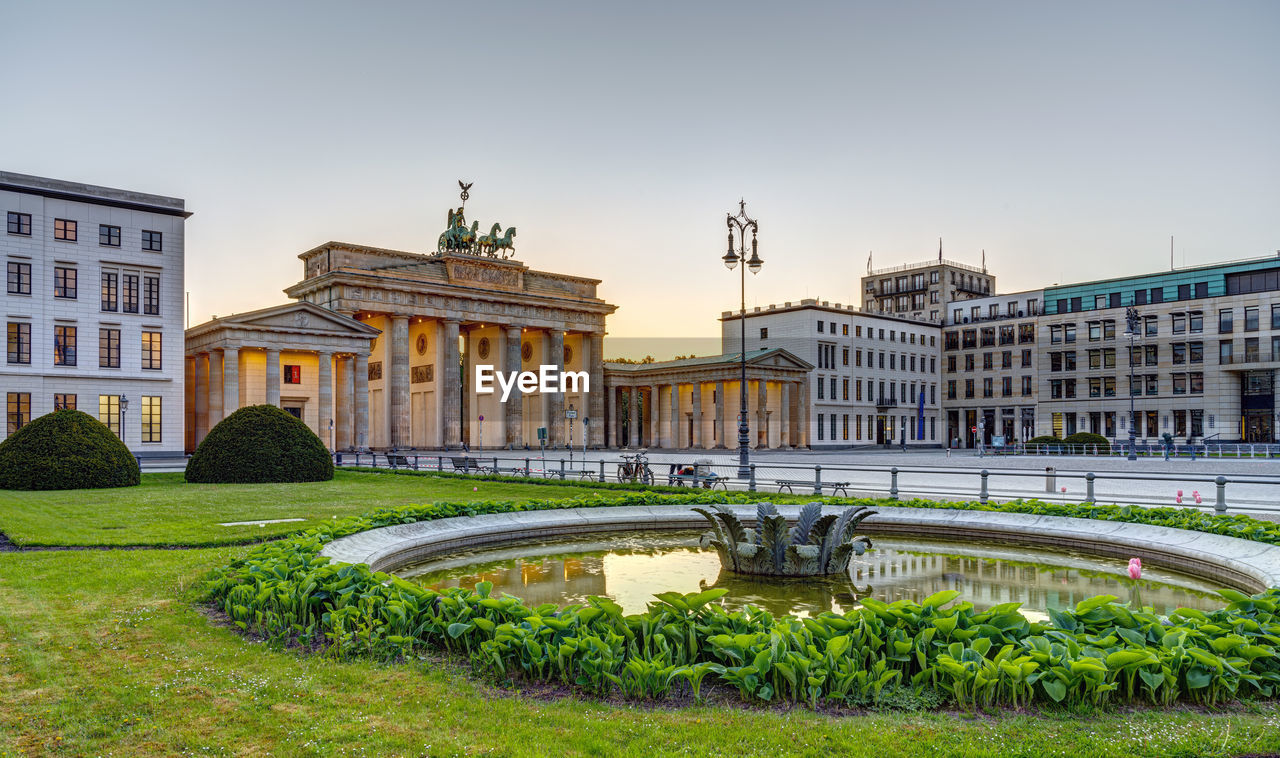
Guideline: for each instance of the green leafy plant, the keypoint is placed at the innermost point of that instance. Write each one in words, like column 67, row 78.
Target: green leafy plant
column 66, row 450
column 816, row 545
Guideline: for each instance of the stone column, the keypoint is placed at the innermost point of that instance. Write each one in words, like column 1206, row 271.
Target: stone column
column 655, row 416
column 611, row 421
column 398, row 382
column 720, row 425
column 675, row 416
column 342, row 414
column 634, row 409
column 273, row 377
column 451, row 389
column 762, row 414
column 467, row 412
column 230, row 380
column 804, row 415
column 215, row 388
column 595, row 401
column 785, row 431
column 555, row 401
column 696, row 442
column 326, row 414
column 189, row 403
column 514, row 407
column 360, row 425
column 202, row 397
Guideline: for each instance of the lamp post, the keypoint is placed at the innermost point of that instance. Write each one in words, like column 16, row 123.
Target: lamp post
column 1132, row 318
column 742, row 223
column 124, row 406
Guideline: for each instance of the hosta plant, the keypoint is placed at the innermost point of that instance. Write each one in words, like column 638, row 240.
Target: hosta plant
column 817, row 544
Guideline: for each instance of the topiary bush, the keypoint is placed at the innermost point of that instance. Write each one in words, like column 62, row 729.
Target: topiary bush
column 1044, row 439
column 66, row 450
column 260, row 444
column 1082, row 442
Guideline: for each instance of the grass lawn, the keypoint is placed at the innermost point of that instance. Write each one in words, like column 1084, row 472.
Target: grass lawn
column 102, row 652
column 165, row 510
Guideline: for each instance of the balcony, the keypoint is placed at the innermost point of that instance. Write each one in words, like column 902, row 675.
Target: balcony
column 885, row 403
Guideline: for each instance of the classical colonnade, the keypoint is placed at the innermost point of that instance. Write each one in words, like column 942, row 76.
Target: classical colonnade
column 695, row 413
column 215, row 389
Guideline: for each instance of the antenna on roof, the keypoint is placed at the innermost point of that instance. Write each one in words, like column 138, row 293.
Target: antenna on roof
column 939, row 250
column 1170, row 252
column 868, row 261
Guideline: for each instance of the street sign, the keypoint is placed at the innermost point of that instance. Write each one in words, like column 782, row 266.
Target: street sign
column 570, row 413
column 542, row 432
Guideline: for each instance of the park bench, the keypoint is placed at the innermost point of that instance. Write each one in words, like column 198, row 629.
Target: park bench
column 397, row 461
column 832, row 487
column 468, row 465
column 707, row 481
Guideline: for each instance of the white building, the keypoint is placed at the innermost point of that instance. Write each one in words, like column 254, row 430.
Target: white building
column 875, row 379
column 93, row 308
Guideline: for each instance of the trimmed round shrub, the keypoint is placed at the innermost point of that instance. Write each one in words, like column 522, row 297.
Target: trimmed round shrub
column 260, row 444
column 66, row 450
column 1082, row 441
column 1044, row 439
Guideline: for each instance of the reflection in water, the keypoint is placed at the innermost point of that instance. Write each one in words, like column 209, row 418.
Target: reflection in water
column 631, row 569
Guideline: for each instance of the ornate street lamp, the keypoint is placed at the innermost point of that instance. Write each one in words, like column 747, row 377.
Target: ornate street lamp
column 742, row 222
column 1132, row 319
column 124, row 406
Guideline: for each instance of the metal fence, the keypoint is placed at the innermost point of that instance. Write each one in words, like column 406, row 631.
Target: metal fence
column 840, row 479
column 1144, row 449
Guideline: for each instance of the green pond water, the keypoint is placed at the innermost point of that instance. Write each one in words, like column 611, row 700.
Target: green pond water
column 631, row 568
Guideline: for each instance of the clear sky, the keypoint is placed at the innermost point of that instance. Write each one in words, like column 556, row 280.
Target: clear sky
column 1068, row 140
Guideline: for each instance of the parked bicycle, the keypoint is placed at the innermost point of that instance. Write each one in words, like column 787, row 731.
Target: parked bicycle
column 635, row 468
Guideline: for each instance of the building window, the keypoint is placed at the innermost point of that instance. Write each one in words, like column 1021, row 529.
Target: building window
column 151, row 241
column 844, row 330
column 64, row 230
column 1195, row 352
column 151, row 418
column 764, row 332
column 20, row 223
column 109, row 412
column 62, row 402
column 64, row 345
column 821, row 325
column 821, row 418
column 1179, row 353
column 1195, row 322
column 1196, row 380
column 1026, row 386
column 1225, row 325
column 844, row 426
column 151, row 353
column 951, row 389
column 1179, row 321
column 293, row 375
column 845, row 356
column 151, row 295
column 110, row 291
column 987, row 390
column 130, row 293
column 844, row 389
column 968, row 388
column 1179, row 384
column 109, row 348
column 18, row 410
column 1251, row 319
column 1095, row 387
column 19, row 278
column 108, row 235
column 64, row 282
column 19, row 342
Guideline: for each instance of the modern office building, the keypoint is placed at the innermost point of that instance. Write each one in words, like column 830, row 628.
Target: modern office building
column 921, row 290
column 93, row 308
column 876, row 376
column 989, row 369
column 1203, row 358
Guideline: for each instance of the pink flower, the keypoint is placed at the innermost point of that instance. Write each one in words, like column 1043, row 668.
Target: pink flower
column 1178, row 497
column 1135, row 568
column 1064, row 490
column 1196, row 495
